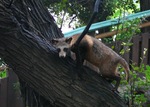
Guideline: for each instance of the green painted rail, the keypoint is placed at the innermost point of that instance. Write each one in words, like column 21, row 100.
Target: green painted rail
column 107, row 23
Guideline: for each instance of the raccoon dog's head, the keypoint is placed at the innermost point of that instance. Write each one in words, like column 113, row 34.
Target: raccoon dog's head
column 62, row 45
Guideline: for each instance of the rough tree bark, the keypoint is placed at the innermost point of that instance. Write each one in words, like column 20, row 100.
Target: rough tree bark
column 25, row 30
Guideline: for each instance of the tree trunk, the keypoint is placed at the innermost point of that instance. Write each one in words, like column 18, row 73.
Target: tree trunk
column 26, row 28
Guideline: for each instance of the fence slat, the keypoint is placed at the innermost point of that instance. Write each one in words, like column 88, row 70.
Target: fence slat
column 126, row 56
column 15, row 100
column 3, row 93
column 135, row 49
column 145, row 43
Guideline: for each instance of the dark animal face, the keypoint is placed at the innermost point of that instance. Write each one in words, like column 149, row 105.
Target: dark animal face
column 62, row 45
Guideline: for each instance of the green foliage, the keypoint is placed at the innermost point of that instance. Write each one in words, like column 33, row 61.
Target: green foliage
column 108, row 40
column 83, row 10
column 140, row 100
column 125, row 31
column 128, row 29
column 3, row 74
column 123, row 7
column 16, row 86
column 71, row 11
column 147, row 73
column 139, row 83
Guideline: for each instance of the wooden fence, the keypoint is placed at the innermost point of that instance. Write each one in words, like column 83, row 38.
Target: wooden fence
column 140, row 44
column 9, row 97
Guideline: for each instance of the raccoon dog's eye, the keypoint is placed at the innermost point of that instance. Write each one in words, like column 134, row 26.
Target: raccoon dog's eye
column 65, row 49
column 58, row 50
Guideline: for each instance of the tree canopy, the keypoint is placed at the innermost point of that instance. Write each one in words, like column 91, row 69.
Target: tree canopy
column 82, row 9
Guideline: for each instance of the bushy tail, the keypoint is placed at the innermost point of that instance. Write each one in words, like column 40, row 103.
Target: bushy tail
column 126, row 67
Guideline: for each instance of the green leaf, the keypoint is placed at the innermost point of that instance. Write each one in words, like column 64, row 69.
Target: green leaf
column 3, row 74
column 147, row 67
column 136, row 68
column 147, row 73
column 65, row 1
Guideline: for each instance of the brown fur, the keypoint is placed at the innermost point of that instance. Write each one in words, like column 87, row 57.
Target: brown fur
column 102, row 57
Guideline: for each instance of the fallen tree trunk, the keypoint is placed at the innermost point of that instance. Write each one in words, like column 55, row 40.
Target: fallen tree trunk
column 25, row 30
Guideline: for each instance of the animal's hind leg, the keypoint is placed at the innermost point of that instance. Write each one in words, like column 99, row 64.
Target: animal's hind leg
column 118, row 79
column 114, row 76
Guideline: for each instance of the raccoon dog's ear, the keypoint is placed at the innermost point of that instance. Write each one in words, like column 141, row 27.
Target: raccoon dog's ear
column 68, row 40
column 54, row 41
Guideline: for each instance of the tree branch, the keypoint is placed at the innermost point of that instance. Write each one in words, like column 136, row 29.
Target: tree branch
column 36, row 62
